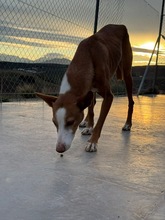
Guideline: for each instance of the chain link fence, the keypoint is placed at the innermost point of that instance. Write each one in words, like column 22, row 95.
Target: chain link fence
column 152, row 75
column 39, row 38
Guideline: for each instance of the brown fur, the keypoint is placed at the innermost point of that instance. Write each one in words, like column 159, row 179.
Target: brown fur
column 96, row 60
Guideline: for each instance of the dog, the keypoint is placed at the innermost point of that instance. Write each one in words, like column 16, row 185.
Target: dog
column 96, row 60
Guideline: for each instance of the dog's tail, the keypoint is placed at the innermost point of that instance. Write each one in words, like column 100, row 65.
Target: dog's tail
column 125, row 64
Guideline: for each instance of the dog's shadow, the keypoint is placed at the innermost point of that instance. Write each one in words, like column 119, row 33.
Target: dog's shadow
column 126, row 137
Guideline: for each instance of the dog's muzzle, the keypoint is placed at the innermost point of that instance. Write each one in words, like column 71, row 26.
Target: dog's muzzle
column 61, row 148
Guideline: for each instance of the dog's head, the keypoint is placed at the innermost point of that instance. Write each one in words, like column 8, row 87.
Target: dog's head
column 67, row 115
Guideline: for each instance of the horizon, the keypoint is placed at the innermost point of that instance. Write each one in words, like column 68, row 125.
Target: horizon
column 61, row 61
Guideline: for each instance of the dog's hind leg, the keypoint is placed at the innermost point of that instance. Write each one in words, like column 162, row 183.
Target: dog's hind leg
column 89, row 120
column 128, row 123
column 127, row 63
column 84, row 123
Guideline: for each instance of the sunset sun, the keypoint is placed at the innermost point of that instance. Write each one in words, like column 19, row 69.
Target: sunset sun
column 148, row 45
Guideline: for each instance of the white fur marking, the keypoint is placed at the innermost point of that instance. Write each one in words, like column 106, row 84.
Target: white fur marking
column 64, row 135
column 65, row 86
column 91, row 147
column 87, row 131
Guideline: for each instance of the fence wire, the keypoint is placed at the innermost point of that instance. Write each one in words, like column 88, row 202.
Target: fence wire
column 152, row 75
column 39, row 38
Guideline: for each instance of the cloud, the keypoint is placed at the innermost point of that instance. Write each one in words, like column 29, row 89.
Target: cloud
column 8, row 33
column 142, row 50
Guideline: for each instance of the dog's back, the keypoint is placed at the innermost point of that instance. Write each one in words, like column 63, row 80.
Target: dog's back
column 109, row 46
column 116, row 39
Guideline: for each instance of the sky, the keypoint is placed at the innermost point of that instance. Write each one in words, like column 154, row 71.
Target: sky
column 157, row 4
column 144, row 29
column 34, row 30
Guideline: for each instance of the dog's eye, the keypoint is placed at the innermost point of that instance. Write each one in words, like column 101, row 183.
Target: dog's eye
column 69, row 123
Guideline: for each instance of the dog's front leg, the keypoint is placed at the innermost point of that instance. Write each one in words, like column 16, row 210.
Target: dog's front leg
column 92, row 142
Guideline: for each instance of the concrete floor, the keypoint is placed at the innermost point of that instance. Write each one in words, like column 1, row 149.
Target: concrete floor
column 124, row 180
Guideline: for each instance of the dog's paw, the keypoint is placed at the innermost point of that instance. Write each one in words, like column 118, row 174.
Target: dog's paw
column 126, row 127
column 87, row 131
column 91, row 147
column 83, row 124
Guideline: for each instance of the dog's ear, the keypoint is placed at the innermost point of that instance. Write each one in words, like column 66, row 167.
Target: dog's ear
column 84, row 102
column 49, row 99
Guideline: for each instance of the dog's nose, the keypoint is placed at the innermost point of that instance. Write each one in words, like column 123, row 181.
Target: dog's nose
column 60, row 148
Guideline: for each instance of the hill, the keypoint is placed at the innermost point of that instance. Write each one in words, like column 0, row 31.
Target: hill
column 19, row 77
column 138, row 72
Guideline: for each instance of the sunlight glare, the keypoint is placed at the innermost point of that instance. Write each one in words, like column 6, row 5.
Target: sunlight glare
column 148, row 45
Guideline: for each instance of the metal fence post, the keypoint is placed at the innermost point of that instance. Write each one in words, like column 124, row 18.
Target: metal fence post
column 96, row 16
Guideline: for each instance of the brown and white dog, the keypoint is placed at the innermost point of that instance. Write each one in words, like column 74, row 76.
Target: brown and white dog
column 96, row 60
